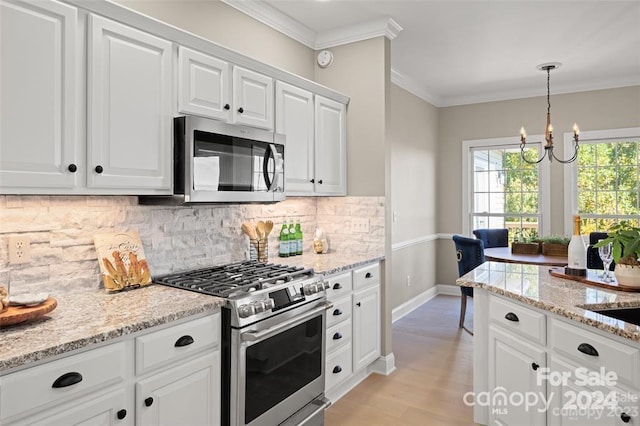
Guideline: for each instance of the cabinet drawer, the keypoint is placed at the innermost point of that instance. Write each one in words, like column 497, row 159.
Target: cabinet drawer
column 341, row 311
column 518, row 319
column 338, row 335
column 73, row 377
column 339, row 286
column 573, row 342
column 171, row 344
column 338, row 366
column 366, row 276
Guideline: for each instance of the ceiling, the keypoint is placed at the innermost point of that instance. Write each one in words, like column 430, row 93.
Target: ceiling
column 452, row 52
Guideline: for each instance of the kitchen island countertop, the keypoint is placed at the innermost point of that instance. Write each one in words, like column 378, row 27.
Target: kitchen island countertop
column 534, row 286
column 90, row 317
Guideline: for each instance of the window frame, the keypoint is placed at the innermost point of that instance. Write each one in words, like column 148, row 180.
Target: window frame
column 502, row 143
column 571, row 176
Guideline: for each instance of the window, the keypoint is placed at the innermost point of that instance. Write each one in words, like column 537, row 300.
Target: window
column 605, row 179
column 502, row 190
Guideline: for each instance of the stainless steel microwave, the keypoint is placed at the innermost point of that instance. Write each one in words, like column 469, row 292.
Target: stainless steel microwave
column 219, row 162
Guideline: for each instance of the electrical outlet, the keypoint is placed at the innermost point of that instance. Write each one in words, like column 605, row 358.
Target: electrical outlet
column 19, row 249
column 360, row 225
column 408, row 280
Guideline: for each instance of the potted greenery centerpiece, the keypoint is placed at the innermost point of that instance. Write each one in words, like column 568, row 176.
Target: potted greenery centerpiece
column 625, row 242
column 525, row 243
column 555, row 245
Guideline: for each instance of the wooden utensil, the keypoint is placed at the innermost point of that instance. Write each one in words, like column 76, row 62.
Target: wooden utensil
column 261, row 229
column 249, row 230
column 268, row 226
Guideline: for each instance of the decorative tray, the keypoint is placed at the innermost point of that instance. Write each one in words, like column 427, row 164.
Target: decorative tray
column 593, row 279
column 18, row 314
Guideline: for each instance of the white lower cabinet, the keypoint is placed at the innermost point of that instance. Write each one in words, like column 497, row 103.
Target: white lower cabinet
column 353, row 327
column 513, row 368
column 544, row 369
column 183, row 395
column 100, row 386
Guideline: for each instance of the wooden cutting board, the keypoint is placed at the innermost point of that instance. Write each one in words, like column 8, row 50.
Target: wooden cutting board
column 592, row 279
column 18, row 314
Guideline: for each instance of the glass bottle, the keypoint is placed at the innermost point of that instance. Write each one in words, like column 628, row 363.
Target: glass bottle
column 293, row 243
column 577, row 251
column 298, row 237
column 284, row 240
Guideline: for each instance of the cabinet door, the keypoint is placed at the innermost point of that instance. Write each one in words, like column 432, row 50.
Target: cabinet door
column 252, row 99
column 203, row 85
column 330, row 147
column 294, row 119
column 185, row 395
column 514, row 369
column 366, row 327
column 112, row 409
column 38, row 91
column 581, row 397
column 129, row 120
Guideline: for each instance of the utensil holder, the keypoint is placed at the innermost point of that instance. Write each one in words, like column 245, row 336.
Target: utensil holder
column 259, row 249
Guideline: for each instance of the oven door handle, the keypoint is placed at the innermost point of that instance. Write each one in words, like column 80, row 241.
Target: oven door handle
column 254, row 336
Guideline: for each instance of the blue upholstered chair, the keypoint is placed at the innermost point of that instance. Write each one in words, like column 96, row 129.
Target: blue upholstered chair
column 470, row 254
column 593, row 258
column 498, row 237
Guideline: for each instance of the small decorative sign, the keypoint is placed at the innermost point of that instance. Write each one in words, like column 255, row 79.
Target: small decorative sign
column 122, row 261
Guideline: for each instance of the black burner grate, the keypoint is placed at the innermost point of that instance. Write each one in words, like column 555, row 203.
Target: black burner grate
column 232, row 279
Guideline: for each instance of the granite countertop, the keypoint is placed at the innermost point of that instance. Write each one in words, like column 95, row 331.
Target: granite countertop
column 532, row 285
column 90, row 317
column 329, row 263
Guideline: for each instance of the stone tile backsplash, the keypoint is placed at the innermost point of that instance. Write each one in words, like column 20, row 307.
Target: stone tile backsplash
column 61, row 230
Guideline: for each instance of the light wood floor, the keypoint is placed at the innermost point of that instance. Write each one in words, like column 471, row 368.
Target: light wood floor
column 433, row 360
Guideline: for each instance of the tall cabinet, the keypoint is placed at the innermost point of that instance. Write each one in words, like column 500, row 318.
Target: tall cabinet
column 129, row 92
column 38, row 140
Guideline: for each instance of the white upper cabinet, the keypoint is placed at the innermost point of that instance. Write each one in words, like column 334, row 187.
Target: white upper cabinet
column 213, row 88
column 203, row 85
column 129, row 117
column 252, row 98
column 330, row 147
column 294, row 119
column 38, row 96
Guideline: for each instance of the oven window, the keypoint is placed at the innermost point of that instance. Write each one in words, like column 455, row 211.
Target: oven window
column 281, row 365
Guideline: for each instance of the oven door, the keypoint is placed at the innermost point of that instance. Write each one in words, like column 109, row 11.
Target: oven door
column 280, row 367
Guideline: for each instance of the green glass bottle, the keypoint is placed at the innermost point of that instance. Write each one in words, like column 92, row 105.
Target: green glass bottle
column 284, row 240
column 293, row 244
column 298, row 235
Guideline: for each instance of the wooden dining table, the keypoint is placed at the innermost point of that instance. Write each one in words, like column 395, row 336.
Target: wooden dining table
column 503, row 254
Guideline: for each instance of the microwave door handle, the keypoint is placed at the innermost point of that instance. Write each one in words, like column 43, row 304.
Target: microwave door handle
column 265, row 166
column 278, row 166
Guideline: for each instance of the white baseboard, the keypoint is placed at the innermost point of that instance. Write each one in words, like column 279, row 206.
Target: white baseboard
column 384, row 365
column 422, row 298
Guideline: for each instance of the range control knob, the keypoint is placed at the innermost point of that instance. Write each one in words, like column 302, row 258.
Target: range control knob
column 258, row 306
column 309, row 289
column 269, row 304
column 245, row 311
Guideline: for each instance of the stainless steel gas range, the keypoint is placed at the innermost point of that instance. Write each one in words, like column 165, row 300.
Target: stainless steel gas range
column 273, row 340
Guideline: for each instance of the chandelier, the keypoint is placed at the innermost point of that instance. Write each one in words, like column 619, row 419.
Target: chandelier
column 548, row 133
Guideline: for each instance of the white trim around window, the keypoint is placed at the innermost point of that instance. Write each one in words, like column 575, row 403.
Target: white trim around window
column 571, row 175
column 544, row 193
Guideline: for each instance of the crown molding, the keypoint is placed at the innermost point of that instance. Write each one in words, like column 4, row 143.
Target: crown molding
column 411, row 87
column 275, row 19
column 386, row 27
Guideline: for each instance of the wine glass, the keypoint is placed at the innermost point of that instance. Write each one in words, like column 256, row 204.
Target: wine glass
column 607, row 257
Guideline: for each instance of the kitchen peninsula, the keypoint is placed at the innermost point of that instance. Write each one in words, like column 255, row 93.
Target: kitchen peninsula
column 536, row 339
